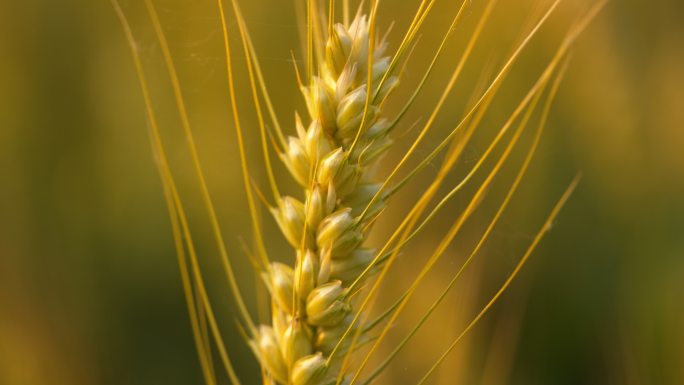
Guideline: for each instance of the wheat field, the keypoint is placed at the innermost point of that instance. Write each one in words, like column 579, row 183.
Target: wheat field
column 387, row 192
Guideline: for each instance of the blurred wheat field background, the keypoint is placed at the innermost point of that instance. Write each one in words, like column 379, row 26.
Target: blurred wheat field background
column 89, row 286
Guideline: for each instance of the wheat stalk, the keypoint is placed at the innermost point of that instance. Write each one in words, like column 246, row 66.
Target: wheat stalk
column 315, row 325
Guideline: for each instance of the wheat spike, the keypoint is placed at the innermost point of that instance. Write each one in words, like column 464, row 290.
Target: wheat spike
column 332, row 155
column 332, row 158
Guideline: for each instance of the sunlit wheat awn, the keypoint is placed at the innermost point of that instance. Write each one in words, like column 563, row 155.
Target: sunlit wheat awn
column 319, row 330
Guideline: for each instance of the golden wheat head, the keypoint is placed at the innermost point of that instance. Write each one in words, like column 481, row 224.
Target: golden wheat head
column 320, row 299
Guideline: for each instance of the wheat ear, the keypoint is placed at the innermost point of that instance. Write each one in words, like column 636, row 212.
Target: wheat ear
column 332, row 158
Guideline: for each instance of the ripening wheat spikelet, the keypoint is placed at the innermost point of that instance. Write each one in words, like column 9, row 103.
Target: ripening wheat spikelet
column 317, row 322
column 332, row 159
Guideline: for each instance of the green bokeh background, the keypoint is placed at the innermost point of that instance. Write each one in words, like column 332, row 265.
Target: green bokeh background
column 89, row 287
